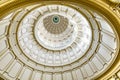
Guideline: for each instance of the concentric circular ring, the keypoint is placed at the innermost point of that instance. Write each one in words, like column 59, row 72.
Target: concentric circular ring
column 56, row 19
column 55, row 38
column 86, row 44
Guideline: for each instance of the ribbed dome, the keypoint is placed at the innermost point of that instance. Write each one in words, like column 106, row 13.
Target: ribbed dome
column 56, row 42
column 55, row 24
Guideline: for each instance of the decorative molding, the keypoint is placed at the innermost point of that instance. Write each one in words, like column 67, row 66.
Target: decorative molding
column 114, row 13
column 115, row 1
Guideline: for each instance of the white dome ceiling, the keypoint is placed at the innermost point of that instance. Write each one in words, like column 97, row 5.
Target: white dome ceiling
column 49, row 43
column 56, row 42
